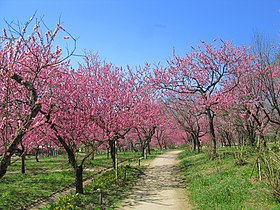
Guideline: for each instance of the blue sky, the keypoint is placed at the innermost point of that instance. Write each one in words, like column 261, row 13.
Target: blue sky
column 137, row 31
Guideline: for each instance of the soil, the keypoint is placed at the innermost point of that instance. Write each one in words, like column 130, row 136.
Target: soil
column 160, row 188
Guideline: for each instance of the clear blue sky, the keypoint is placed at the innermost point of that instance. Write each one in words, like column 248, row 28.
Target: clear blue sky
column 137, row 31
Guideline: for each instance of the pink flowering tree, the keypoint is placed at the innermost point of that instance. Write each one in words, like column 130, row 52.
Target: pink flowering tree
column 150, row 111
column 115, row 100
column 209, row 73
column 189, row 117
column 29, row 66
column 169, row 134
column 152, row 117
column 70, row 117
column 250, row 105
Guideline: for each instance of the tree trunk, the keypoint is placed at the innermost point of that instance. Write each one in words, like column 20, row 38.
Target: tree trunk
column 6, row 159
column 143, row 150
column 133, row 147
column 165, row 145
column 113, row 152
column 198, row 145
column 23, row 163
column 78, row 169
column 22, row 154
column 37, row 154
column 149, row 149
column 212, row 134
column 159, row 144
column 251, row 134
column 91, row 157
column 194, row 142
column 229, row 139
column 79, row 179
column 108, row 152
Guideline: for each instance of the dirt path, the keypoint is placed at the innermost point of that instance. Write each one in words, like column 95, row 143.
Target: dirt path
column 160, row 188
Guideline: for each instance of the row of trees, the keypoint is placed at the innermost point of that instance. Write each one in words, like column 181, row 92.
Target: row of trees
column 218, row 93
column 46, row 102
column 224, row 93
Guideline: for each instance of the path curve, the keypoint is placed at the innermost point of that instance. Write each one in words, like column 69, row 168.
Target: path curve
column 160, row 188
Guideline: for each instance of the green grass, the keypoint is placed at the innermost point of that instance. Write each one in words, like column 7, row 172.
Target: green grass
column 112, row 191
column 49, row 175
column 221, row 184
column 45, row 163
column 41, row 179
column 19, row 190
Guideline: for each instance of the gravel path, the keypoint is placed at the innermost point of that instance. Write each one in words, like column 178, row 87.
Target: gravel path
column 160, row 188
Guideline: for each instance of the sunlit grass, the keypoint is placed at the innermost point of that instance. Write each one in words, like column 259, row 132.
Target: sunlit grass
column 221, row 184
column 112, row 191
column 49, row 175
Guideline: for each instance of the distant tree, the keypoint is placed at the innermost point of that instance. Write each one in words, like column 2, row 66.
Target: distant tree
column 189, row 116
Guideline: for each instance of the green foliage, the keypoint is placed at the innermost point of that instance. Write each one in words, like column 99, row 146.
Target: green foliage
column 66, row 202
column 222, row 184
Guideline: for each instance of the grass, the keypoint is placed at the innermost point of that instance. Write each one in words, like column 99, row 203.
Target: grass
column 19, row 190
column 112, row 191
column 221, row 184
column 49, row 175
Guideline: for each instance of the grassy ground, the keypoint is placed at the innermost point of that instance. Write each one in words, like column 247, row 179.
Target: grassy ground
column 104, row 185
column 49, row 175
column 222, row 184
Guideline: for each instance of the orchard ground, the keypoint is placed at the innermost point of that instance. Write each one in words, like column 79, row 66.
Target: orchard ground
column 218, row 184
column 50, row 175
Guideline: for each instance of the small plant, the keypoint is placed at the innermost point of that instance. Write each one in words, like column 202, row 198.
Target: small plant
column 208, row 150
column 103, row 192
column 272, row 172
column 275, row 145
column 65, row 202
column 239, row 158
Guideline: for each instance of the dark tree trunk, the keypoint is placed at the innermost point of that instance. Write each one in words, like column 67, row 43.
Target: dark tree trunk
column 92, row 152
column 212, row 134
column 23, row 163
column 22, row 154
column 159, row 144
column 37, row 158
column 6, row 159
column 133, row 147
column 143, row 151
column 251, row 134
column 198, row 145
column 37, row 154
column 194, row 142
column 108, row 152
column 79, row 180
column 113, row 152
column 78, row 169
column 228, row 138
column 149, row 149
